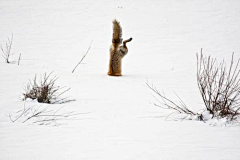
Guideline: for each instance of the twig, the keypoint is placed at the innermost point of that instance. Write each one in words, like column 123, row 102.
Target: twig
column 166, row 103
column 83, row 56
column 19, row 58
column 41, row 116
column 22, row 112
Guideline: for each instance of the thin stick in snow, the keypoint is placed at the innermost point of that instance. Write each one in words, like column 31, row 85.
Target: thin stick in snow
column 83, row 57
column 19, row 58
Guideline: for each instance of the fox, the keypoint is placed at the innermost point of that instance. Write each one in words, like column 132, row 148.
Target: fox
column 117, row 52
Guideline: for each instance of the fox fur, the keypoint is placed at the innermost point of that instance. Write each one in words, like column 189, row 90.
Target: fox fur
column 117, row 52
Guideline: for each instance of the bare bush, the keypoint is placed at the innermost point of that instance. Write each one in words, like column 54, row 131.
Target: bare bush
column 7, row 50
column 45, row 91
column 178, row 107
column 219, row 86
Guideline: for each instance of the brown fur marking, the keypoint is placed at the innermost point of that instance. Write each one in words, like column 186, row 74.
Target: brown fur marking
column 117, row 52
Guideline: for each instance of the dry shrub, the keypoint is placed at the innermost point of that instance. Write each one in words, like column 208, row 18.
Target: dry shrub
column 45, row 91
column 219, row 86
column 7, row 50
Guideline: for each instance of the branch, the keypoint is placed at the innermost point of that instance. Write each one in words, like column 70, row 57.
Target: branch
column 83, row 56
column 41, row 115
column 169, row 104
column 19, row 58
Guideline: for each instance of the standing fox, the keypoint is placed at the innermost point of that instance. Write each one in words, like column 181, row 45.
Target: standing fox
column 117, row 52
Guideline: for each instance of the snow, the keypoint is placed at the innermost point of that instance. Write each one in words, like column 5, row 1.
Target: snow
column 117, row 119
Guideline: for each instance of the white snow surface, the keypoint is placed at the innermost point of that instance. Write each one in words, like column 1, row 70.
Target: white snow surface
column 117, row 119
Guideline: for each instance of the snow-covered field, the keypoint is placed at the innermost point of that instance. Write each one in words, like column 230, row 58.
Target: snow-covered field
column 116, row 117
